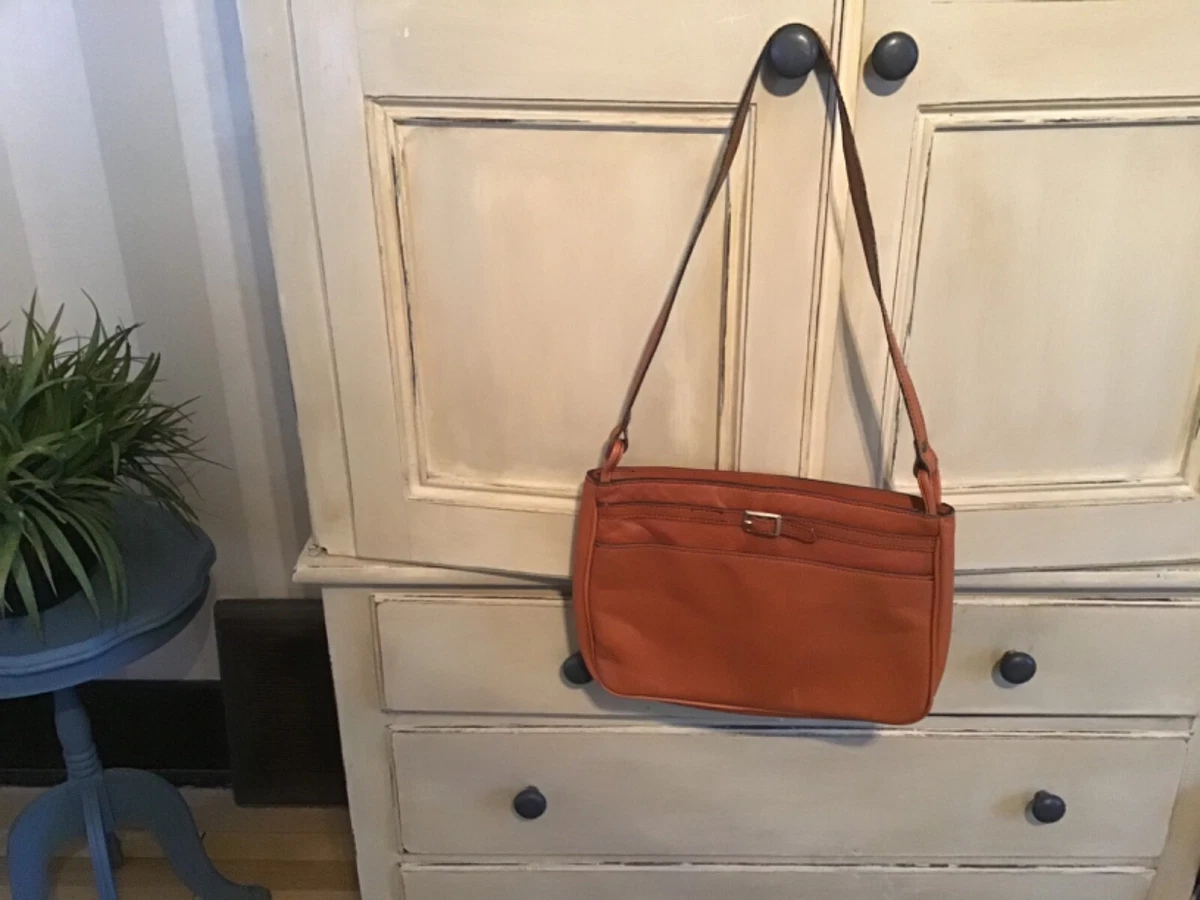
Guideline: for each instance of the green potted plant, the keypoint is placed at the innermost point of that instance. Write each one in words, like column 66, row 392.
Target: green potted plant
column 79, row 429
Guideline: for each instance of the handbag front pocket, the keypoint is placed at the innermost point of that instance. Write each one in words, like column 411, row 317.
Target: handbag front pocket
column 760, row 633
column 764, row 534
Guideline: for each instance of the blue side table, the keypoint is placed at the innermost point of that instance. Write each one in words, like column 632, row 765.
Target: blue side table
column 167, row 568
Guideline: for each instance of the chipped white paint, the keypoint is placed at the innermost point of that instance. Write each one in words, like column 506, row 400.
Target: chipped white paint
column 438, row 318
column 464, row 295
column 441, row 318
column 528, row 228
column 765, row 882
column 1085, row 650
column 657, row 791
column 1043, row 286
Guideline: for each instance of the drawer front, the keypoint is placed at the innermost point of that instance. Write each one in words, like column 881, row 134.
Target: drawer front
column 769, row 883
column 502, row 654
column 660, row 791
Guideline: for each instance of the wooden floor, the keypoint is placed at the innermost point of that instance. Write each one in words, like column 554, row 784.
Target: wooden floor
column 300, row 854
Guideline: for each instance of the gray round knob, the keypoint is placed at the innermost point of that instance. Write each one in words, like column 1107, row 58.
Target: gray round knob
column 529, row 803
column 895, row 56
column 1047, row 808
column 575, row 670
column 793, row 51
column 1016, row 667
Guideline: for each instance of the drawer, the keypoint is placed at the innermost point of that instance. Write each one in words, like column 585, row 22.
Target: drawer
column 770, row 883
column 502, row 654
column 663, row 791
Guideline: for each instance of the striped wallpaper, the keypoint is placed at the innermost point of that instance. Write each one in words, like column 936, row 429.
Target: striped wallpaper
column 128, row 169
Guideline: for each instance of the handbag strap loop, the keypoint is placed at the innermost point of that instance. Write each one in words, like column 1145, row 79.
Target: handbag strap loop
column 926, row 466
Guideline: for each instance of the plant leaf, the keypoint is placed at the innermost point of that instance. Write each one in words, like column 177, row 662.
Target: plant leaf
column 104, row 545
column 67, row 552
column 25, row 588
column 34, row 536
column 10, row 540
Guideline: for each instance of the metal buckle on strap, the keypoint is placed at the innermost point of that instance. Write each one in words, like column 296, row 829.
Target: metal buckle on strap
column 773, row 520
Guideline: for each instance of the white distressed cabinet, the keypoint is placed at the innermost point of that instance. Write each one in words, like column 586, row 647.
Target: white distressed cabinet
column 475, row 209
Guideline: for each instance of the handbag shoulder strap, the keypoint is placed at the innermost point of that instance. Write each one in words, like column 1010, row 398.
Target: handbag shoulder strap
column 926, row 466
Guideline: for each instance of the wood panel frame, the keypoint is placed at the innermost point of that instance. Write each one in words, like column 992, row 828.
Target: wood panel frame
column 390, row 121
column 936, row 119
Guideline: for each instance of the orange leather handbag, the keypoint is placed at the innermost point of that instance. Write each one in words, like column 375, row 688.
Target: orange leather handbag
column 766, row 594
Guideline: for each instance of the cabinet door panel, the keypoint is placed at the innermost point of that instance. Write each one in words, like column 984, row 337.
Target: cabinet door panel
column 502, row 195
column 1038, row 231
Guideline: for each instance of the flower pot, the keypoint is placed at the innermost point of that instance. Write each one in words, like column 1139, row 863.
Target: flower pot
column 66, row 585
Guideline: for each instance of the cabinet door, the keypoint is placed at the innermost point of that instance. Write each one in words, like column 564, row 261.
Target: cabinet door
column 501, row 192
column 1035, row 183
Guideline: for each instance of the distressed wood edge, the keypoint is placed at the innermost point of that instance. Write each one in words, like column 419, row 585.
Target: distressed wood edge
column 327, row 57
column 530, row 595
column 366, row 741
column 1180, row 860
column 318, row 566
column 848, row 53
column 1139, row 868
column 280, row 133
column 421, row 864
column 1127, row 583
column 951, row 727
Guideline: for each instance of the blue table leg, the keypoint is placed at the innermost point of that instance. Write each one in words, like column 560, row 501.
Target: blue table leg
column 85, row 775
column 143, row 800
column 69, row 811
column 94, row 802
column 43, row 826
column 116, row 856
